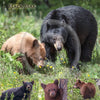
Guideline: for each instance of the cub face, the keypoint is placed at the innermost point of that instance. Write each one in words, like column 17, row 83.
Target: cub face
column 78, row 84
column 28, row 85
column 51, row 89
column 37, row 53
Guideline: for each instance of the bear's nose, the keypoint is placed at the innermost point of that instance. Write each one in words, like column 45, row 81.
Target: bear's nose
column 59, row 48
column 28, row 87
column 52, row 94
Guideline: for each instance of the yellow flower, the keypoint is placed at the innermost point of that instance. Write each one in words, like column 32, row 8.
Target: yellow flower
column 1, row 84
column 15, row 77
column 14, row 72
column 50, row 66
column 47, row 65
column 60, row 72
column 45, row 58
column 72, row 66
column 64, row 62
column 88, row 75
column 39, row 66
column 61, row 58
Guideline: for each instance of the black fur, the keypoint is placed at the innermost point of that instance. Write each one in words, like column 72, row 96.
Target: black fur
column 83, row 23
column 19, row 93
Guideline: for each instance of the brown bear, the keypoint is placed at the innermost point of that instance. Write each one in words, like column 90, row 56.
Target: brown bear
column 23, row 42
column 87, row 90
column 52, row 91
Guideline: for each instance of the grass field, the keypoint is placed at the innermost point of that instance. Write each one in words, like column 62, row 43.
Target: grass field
column 9, row 76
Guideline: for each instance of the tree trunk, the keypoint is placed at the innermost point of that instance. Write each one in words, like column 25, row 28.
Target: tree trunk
column 63, row 86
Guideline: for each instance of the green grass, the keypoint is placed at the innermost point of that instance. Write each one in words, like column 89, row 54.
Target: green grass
column 9, row 76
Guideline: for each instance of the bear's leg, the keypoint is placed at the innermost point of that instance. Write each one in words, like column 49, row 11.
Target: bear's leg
column 70, row 54
column 87, row 48
column 69, row 50
column 50, row 53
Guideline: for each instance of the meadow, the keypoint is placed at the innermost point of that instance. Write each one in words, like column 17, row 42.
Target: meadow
column 11, row 24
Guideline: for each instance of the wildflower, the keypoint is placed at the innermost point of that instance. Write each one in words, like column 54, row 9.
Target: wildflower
column 1, row 84
column 15, row 77
column 64, row 62
column 39, row 96
column 39, row 66
column 61, row 58
column 73, row 67
column 45, row 58
column 60, row 72
column 88, row 75
column 47, row 65
column 7, row 83
column 51, row 66
column 14, row 72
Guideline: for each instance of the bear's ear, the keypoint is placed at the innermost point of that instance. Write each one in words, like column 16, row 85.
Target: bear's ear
column 23, row 82
column 32, row 82
column 56, row 82
column 65, row 19
column 78, row 81
column 54, row 14
column 35, row 43
column 48, row 26
column 43, row 85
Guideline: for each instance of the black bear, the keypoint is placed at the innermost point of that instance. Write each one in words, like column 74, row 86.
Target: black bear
column 56, row 36
column 19, row 93
column 52, row 91
column 87, row 90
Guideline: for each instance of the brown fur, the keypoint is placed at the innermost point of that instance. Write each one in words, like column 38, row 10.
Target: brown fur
column 52, row 91
column 27, row 44
column 87, row 90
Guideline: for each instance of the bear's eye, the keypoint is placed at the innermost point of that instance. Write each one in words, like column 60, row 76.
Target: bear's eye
column 54, row 89
column 54, row 40
column 56, row 31
column 49, row 90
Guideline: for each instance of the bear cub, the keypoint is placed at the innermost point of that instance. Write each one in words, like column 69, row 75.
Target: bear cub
column 52, row 91
column 19, row 93
column 87, row 90
column 25, row 43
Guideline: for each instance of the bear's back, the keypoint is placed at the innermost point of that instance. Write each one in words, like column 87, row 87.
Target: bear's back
column 16, row 42
column 88, row 90
column 10, row 92
column 74, row 14
column 80, row 19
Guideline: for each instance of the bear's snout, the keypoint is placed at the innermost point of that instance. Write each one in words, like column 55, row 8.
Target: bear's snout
column 59, row 48
column 58, row 45
column 28, row 88
column 52, row 94
column 74, row 86
column 40, row 64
